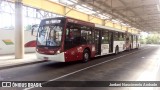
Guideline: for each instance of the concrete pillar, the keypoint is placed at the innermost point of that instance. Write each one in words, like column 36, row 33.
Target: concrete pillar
column 19, row 32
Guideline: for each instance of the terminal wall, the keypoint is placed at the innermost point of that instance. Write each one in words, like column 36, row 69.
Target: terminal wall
column 7, row 41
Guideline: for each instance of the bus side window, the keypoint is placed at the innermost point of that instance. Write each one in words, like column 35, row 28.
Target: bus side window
column 67, row 32
column 87, row 35
column 116, row 38
column 68, row 42
column 105, row 37
column 120, row 36
column 72, row 36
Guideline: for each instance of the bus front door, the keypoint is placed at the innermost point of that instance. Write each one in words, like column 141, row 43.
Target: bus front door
column 132, row 41
column 110, row 42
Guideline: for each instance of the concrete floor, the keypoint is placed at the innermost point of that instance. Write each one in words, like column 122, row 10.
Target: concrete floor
column 136, row 65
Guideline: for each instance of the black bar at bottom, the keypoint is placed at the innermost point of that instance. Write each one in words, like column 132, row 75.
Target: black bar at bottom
column 80, row 84
column 103, row 84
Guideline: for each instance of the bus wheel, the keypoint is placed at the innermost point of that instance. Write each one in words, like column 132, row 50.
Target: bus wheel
column 116, row 50
column 86, row 55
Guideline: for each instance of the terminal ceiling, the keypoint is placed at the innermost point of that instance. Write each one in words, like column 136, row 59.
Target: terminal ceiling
column 141, row 14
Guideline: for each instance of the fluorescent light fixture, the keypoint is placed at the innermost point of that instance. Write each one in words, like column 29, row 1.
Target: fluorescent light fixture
column 123, row 24
column 98, row 11
column 69, row 2
column 75, row 1
column 54, row 0
column 84, row 5
column 158, row 8
column 115, row 21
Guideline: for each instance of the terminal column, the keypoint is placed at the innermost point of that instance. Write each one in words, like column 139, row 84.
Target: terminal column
column 19, row 32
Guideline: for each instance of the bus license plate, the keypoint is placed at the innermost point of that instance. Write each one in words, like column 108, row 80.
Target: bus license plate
column 45, row 58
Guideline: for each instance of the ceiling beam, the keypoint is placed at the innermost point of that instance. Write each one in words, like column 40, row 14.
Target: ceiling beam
column 150, row 20
column 145, row 15
column 135, row 7
column 153, row 22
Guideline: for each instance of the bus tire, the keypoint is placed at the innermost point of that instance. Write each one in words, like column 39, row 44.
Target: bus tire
column 117, row 50
column 86, row 55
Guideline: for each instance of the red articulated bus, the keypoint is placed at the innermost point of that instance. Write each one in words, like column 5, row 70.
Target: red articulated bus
column 65, row 39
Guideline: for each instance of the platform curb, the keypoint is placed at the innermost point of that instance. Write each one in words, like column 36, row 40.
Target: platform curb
column 19, row 64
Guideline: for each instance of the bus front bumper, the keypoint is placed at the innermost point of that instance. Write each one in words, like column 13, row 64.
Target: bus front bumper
column 57, row 58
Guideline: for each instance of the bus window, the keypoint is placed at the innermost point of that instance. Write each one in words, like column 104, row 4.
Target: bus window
column 77, row 35
column 116, row 38
column 105, row 37
column 49, row 35
column 86, row 36
column 121, row 36
column 72, row 34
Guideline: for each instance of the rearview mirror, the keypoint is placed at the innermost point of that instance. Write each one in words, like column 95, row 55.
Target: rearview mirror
column 34, row 30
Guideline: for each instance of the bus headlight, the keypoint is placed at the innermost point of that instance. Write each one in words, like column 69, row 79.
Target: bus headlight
column 58, row 52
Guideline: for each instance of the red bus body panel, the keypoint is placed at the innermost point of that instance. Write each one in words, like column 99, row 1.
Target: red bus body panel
column 76, row 53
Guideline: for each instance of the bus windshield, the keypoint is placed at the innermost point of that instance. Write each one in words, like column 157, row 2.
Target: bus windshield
column 49, row 35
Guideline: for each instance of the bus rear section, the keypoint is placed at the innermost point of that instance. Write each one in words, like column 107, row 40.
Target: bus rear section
column 65, row 40
column 132, row 41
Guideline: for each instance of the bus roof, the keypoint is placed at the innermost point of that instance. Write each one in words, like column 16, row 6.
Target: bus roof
column 108, row 28
column 72, row 20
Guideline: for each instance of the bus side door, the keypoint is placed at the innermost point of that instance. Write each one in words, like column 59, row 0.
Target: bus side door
column 110, row 41
column 97, row 42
